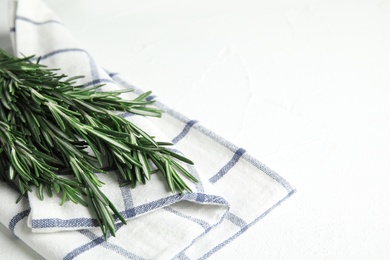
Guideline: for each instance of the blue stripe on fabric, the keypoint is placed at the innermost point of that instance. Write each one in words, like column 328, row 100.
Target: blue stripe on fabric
column 226, row 168
column 198, row 221
column 18, row 217
column 25, row 19
column 97, row 81
column 200, row 197
column 112, row 74
column 95, row 242
column 90, row 222
column 185, row 131
column 151, row 97
column 126, row 114
column 52, row 53
column 236, row 220
column 95, row 75
column 202, row 234
column 198, row 185
column 64, row 223
column 99, row 240
column 243, row 229
column 94, row 69
column 127, row 198
column 233, row 148
column 268, row 171
column 183, row 256
column 115, row 248
column 156, row 204
column 205, row 198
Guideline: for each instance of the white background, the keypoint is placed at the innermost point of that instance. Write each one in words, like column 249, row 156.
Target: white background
column 302, row 85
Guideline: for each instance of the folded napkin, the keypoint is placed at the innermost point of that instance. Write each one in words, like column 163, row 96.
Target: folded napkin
column 234, row 192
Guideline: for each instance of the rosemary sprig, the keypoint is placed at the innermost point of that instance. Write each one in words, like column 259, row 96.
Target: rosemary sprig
column 48, row 121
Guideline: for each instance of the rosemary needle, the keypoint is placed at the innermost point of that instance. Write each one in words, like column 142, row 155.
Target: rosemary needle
column 48, row 121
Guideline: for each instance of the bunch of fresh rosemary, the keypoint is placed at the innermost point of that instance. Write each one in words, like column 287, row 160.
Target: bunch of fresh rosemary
column 46, row 124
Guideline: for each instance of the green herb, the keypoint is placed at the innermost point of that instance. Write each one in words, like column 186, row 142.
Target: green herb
column 48, row 121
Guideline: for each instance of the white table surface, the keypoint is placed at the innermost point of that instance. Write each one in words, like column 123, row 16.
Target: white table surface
column 302, row 85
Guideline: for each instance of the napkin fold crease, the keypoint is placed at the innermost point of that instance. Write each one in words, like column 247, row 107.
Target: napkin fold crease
column 234, row 189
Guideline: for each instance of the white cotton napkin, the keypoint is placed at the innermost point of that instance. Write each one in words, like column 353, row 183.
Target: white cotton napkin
column 234, row 192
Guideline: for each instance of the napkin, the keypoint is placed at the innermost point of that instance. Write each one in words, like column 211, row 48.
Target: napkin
column 234, row 190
